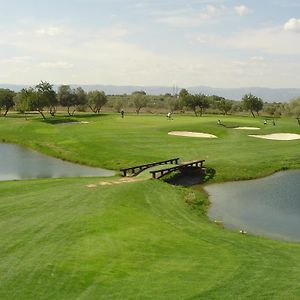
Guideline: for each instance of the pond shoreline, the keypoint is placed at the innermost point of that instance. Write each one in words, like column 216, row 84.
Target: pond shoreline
column 24, row 163
column 237, row 208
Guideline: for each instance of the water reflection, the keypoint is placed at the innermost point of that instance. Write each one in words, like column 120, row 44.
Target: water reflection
column 268, row 206
column 20, row 163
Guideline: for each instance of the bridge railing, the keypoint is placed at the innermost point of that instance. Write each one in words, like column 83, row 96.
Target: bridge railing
column 133, row 171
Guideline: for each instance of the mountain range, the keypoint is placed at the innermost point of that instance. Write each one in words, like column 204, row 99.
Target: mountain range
column 267, row 94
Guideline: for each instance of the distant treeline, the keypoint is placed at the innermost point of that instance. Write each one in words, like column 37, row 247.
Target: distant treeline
column 43, row 99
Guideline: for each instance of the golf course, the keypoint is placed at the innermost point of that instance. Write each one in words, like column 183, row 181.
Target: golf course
column 140, row 238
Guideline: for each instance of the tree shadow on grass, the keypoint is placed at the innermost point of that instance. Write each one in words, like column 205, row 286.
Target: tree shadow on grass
column 57, row 120
column 91, row 115
column 190, row 176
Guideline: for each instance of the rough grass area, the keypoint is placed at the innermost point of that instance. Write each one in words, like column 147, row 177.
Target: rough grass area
column 99, row 238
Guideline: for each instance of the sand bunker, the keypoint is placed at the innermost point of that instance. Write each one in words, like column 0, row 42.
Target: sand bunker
column 91, row 185
column 278, row 136
column 248, row 128
column 193, row 134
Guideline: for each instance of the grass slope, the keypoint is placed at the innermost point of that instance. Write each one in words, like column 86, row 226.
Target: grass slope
column 60, row 239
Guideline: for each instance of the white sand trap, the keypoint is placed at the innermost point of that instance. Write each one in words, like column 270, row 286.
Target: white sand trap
column 247, row 128
column 278, row 136
column 193, row 134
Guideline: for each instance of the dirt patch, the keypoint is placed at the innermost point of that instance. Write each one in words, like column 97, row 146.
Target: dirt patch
column 114, row 182
column 193, row 134
column 278, row 136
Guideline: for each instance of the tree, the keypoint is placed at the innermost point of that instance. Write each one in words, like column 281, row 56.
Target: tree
column 37, row 101
column 6, row 100
column 30, row 99
column 139, row 100
column 96, row 100
column 21, row 101
column 294, row 107
column 67, row 98
column 224, row 105
column 183, row 93
column 46, row 89
column 252, row 103
column 139, row 92
column 190, row 101
column 202, row 101
column 81, row 97
column 173, row 103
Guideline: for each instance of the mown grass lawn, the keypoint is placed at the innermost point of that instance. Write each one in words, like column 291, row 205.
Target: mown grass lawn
column 60, row 239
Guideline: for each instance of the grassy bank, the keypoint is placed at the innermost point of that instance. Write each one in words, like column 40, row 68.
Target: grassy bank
column 61, row 239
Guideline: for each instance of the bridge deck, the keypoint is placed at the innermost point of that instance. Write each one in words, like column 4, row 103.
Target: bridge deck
column 162, row 172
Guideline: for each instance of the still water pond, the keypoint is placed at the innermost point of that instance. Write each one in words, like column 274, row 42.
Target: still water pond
column 20, row 163
column 269, row 206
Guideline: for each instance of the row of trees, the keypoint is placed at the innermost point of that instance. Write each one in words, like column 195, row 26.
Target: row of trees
column 43, row 97
column 199, row 103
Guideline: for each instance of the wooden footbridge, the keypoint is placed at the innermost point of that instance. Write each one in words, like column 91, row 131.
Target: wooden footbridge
column 156, row 174
column 162, row 172
column 133, row 171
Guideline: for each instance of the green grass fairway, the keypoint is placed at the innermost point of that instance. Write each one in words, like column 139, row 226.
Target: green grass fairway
column 61, row 239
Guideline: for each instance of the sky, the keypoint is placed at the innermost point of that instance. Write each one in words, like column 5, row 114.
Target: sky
column 184, row 43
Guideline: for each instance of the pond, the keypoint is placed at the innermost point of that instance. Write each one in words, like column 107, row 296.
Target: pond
column 269, row 206
column 21, row 163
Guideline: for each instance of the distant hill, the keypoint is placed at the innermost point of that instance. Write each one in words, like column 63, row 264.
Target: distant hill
column 267, row 94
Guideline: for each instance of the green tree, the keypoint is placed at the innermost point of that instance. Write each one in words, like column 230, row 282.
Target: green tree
column 294, row 107
column 252, row 103
column 37, row 101
column 173, row 103
column 190, row 102
column 183, row 93
column 139, row 100
column 68, row 98
column 80, row 97
column 224, row 105
column 30, row 100
column 21, row 101
column 6, row 100
column 96, row 100
column 202, row 102
column 46, row 89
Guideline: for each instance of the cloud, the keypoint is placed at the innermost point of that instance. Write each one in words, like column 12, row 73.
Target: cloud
column 184, row 21
column 242, row 10
column 104, row 56
column 257, row 59
column 55, row 65
column 48, row 31
column 292, row 25
column 268, row 40
column 16, row 60
column 190, row 17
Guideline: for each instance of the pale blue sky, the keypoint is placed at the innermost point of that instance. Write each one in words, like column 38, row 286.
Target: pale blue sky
column 216, row 43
